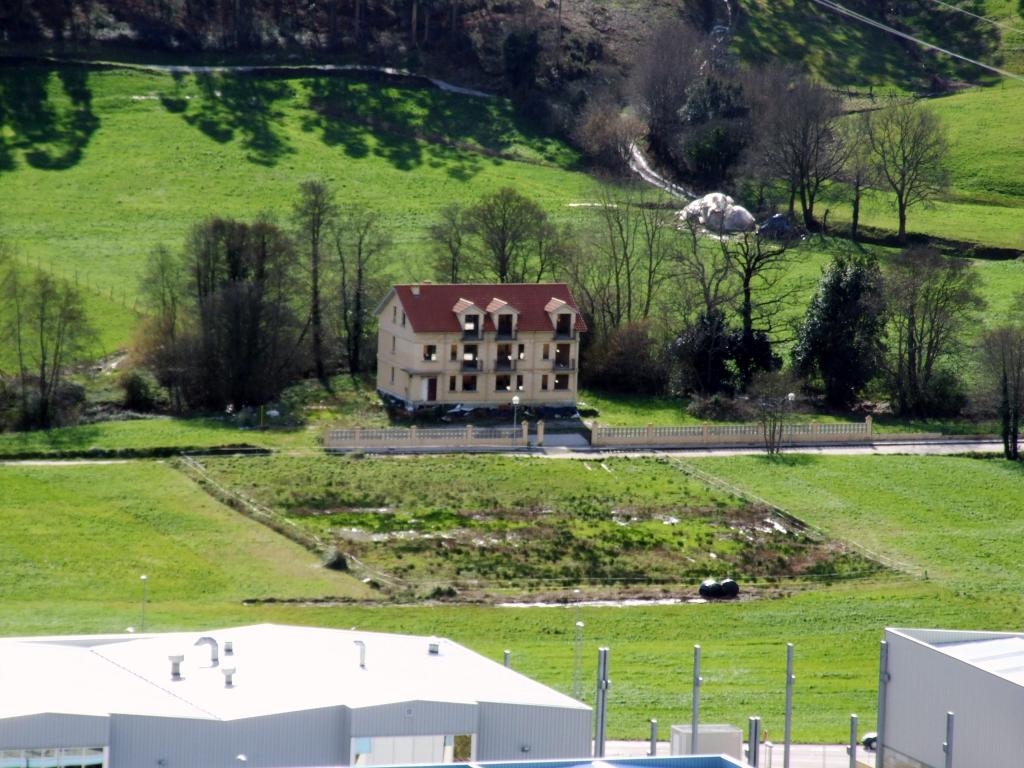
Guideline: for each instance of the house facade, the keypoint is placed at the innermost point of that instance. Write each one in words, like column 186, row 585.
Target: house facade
column 479, row 345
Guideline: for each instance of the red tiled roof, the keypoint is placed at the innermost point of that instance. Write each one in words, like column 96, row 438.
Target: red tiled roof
column 430, row 311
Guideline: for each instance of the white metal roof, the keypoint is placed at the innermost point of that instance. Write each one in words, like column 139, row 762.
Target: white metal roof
column 998, row 653
column 279, row 669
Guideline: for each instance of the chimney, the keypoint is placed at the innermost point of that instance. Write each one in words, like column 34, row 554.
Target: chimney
column 214, row 655
column 362, row 653
column 229, row 674
column 415, row 290
column 434, row 649
column 229, row 648
column 176, row 666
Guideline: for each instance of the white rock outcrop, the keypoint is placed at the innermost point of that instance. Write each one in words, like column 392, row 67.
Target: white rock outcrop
column 718, row 213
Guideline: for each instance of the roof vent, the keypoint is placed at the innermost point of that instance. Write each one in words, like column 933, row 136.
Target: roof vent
column 434, row 649
column 229, row 648
column 214, row 655
column 415, row 290
column 362, row 653
column 176, row 666
column 229, row 675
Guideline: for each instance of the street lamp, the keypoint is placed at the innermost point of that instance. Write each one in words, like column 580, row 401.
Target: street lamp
column 515, row 410
column 145, row 593
column 790, row 398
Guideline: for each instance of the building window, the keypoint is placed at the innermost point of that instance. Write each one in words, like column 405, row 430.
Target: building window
column 544, row 382
column 469, row 383
column 563, row 325
column 451, row 383
column 394, row 313
column 522, row 351
column 472, row 325
column 430, row 353
column 546, row 352
column 503, row 383
column 519, row 383
column 505, row 325
column 403, row 319
column 561, row 381
column 392, row 375
column 454, row 353
column 393, row 342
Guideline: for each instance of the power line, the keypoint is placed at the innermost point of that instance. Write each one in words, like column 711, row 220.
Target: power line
column 986, row 19
column 923, row 43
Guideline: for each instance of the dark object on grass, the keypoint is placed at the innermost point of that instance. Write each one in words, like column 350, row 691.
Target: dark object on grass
column 778, row 227
column 711, row 589
column 730, row 588
column 870, row 741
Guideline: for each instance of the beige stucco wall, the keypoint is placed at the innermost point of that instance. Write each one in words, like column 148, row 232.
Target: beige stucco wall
column 401, row 349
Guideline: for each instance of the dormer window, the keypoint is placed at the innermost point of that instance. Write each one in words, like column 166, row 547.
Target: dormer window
column 563, row 325
column 506, row 325
column 471, row 326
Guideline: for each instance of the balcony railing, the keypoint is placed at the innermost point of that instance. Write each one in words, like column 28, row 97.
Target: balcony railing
column 473, row 366
column 565, row 335
column 505, row 335
column 567, row 364
column 470, row 335
column 504, row 364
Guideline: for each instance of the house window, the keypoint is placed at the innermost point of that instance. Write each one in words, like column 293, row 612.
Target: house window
column 454, row 353
column 544, row 382
column 561, row 381
column 505, row 325
column 546, row 352
column 469, row 356
column 563, row 325
column 394, row 313
column 451, row 383
column 519, row 383
column 469, row 383
column 522, row 351
column 503, row 383
column 392, row 375
column 472, row 326
column 393, row 341
column 430, row 353
column 403, row 319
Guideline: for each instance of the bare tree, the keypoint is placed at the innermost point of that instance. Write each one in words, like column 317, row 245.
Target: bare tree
column 931, row 299
column 910, row 147
column 313, row 212
column 667, row 64
column 448, row 236
column 860, row 171
column 163, row 285
column 758, row 265
column 505, row 225
column 48, row 327
column 359, row 245
column 799, row 137
column 1002, row 368
column 774, row 394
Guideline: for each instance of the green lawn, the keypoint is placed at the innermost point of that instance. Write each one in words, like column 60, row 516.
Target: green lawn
column 99, row 166
column 958, row 518
column 82, row 534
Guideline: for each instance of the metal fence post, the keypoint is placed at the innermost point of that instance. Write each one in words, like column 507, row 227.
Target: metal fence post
column 790, row 679
column 695, row 718
column 852, row 749
column 601, row 710
column 508, row 659
column 753, row 741
column 653, row 752
column 947, row 745
column 883, row 683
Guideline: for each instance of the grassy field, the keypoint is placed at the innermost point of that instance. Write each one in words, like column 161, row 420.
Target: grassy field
column 99, row 166
column 529, row 525
column 82, row 535
column 93, row 529
column 957, row 518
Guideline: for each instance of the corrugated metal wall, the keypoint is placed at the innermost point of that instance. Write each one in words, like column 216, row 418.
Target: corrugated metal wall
column 313, row 737
column 544, row 732
column 414, row 718
column 43, row 731
column 925, row 684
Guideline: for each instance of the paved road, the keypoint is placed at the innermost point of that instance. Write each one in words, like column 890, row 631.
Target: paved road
column 801, row 755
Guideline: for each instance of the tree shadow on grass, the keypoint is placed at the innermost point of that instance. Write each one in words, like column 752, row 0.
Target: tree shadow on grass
column 49, row 135
column 236, row 105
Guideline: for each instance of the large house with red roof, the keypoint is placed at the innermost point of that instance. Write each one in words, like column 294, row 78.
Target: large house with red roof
column 479, row 345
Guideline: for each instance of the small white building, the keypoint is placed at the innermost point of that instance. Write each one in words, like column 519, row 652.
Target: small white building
column 927, row 673
column 270, row 695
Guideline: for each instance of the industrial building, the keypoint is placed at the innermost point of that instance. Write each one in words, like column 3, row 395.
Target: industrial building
column 926, row 674
column 270, row 695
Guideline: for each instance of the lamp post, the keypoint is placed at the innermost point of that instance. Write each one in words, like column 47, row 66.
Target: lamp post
column 145, row 594
column 515, row 410
column 790, row 398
